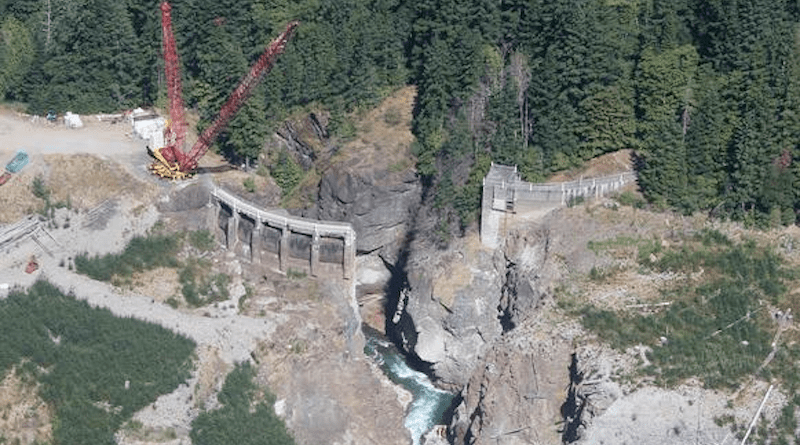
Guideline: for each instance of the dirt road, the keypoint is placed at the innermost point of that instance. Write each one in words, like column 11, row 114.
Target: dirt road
column 114, row 141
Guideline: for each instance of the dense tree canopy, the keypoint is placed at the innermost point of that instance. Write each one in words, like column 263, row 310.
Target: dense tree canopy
column 95, row 370
column 705, row 91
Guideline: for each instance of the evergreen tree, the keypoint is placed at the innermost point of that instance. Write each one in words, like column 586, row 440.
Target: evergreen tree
column 664, row 86
column 16, row 56
column 89, row 66
column 247, row 132
column 710, row 128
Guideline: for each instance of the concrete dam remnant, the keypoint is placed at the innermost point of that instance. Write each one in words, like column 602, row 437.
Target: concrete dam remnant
column 506, row 195
column 320, row 248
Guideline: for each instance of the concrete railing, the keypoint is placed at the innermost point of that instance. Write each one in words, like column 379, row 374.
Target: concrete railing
column 561, row 192
column 504, row 192
column 268, row 226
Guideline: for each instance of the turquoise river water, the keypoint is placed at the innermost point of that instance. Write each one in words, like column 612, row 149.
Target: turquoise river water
column 429, row 403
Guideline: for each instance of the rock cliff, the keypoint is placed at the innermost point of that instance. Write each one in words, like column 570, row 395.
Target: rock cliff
column 327, row 390
column 485, row 323
column 459, row 301
column 379, row 205
column 447, row 313
column 517, row 391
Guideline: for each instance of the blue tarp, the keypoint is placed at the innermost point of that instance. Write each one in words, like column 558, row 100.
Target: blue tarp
column 19, row 161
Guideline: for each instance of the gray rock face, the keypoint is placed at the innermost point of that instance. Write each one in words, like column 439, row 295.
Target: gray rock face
column 448, row 312
column 527, row 275
column 515, row 394
column 379, row 205
column 474, row 314
column 458, row 302
column 190, row 197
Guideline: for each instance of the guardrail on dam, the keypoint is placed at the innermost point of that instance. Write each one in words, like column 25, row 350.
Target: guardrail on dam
column 321, row 248
column 505, row 193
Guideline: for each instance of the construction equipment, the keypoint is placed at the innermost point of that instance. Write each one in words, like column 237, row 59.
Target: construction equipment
column 16, row 164
column 32, row 265
column 171, row 161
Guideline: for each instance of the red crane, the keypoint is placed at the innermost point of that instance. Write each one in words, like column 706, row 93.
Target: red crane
column 172, row 162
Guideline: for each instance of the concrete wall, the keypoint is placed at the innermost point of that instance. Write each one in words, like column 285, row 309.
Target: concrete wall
column 320, row 248
column 505, row 193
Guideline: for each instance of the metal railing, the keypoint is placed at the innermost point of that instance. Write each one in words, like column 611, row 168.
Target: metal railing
column 301, row 225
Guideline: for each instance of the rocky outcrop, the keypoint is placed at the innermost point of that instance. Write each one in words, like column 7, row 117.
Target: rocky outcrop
column 447, row 313
column 327, row 390
column 478, row 318
column 515, row 394
column 591, row 391
column 528, row 275
column 307, row 139
column 379, row 205
column 362, row 186
column 516, row 391
column 458, row 302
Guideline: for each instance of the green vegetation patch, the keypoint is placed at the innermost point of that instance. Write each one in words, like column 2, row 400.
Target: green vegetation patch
column 286, row 172
column 246, row 417
column 718, row 326
column 202, row 240
column 614, row 243
column 142, row 253
column 199, row 285
column 84, row 356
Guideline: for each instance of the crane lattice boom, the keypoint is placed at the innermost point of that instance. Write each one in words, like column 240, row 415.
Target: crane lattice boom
column 172, row 161
column 175, row 133
column 242, row 92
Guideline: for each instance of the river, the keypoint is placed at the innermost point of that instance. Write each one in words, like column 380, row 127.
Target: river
column 429, row 403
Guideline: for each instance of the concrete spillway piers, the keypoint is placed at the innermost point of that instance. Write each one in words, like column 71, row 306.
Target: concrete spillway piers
column 319, row 248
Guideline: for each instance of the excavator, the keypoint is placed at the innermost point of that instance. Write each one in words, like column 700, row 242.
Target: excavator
column 171, row 161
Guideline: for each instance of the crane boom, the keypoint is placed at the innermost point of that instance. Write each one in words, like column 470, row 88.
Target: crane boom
column 171, row 161
column 175, row 133
column 242, row 92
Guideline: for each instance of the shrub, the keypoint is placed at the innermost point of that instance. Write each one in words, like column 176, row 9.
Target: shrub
column 575, row 200
column 249, row 185
column 286, row 172
column 199, row 286
column 714, row 329
column 39, row 188
column 142, row 253
column 342, row 126
column 96, row 354
column 243, row 419
column 630, row 199
column 202, row 240
column 295, row 274
column 392, row 117
column 600, row 275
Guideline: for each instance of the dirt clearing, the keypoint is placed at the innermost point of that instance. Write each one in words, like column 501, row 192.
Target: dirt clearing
column 24, row 417
column 79, row 167
column 385, row 136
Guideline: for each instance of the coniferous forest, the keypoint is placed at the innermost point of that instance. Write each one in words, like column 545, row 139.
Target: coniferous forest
column 95, row 370
column 706, row 92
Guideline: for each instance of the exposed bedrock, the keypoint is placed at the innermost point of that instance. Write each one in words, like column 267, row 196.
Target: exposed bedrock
column 379, row 205
column 516, row 393
column 458, row 302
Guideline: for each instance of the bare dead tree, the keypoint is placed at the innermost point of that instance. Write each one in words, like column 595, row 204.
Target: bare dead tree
column 48, row 23
column 521, row 73
column 477, row 107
